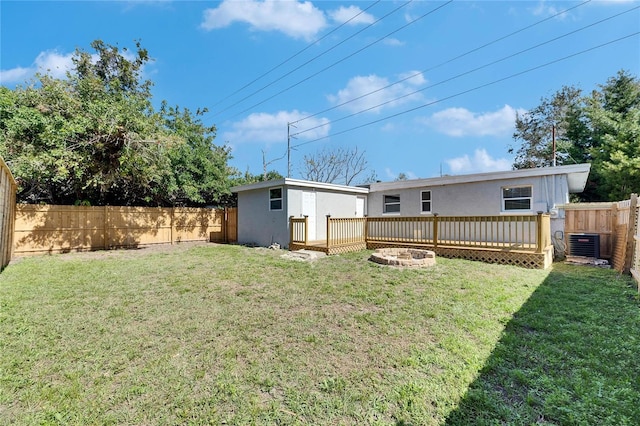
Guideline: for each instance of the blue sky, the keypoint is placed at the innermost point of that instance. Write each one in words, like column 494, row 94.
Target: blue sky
column 423, row 87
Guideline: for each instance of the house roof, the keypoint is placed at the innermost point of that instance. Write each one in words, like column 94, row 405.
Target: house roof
column 576, row 177
column 300, row 183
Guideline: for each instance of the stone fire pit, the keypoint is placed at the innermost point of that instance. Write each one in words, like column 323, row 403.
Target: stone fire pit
column 404, row 257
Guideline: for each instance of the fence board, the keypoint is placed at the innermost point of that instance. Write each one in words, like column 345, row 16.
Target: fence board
column 54, row 229
column 7, row 213
column 592, row 218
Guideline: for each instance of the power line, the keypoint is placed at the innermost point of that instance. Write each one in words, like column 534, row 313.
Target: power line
column 320, row 54
column 469, row 71
column 445, row 62
column 313, row 43
column 471, row 90
column 344, row 58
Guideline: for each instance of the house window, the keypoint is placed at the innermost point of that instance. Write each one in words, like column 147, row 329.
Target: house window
column 275, row 198
column 425, row 201
column 391, row 204
column 516, row 198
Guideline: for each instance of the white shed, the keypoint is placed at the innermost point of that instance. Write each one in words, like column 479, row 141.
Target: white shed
column 264, row 208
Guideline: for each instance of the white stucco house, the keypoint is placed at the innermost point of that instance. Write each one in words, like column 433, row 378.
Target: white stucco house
column 264, row 208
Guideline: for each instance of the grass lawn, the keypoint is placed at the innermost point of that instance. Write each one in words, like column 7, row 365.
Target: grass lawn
column 215, row 334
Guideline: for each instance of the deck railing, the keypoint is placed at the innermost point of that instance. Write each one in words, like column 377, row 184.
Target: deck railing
column 299, row 230
column 342, row 231
column 512, row 232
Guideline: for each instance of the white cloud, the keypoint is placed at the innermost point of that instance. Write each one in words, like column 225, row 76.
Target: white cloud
column 15, row 75
column 462, row 122
column 361, row 88
column 54, row 64
column 293, row 18
column 49, row 62
column 393, row 42
column 344, row 14
column 272, row 128
column 479, row 163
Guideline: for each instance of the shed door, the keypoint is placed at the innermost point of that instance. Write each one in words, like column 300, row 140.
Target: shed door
column 359, row 206
column 309, row 209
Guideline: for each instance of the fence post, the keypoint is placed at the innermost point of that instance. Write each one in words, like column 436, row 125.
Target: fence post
column 328, row 229
column 106, row 227
column 629, row 246
column 172, row 221
column 306, row 229
column 225, row 218
column 435, row 230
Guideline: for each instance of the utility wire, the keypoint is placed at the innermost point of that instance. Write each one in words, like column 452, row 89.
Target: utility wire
column 468, row 72
column 320, row 54
column 471, row 90
column 442, row 63
column 313, row 43
column 344, row 58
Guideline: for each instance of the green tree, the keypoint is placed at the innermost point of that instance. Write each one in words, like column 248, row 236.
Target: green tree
column 94, row 137
column 613, row 117
column 535, row 130
column 602, row 129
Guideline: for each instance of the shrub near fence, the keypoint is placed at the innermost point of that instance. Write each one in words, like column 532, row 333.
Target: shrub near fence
column 54, row 229
column 7, row 213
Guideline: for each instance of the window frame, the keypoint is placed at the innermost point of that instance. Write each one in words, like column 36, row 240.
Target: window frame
column 280, row 199
column 422, row 201
column 516, row 198
column 386, row 204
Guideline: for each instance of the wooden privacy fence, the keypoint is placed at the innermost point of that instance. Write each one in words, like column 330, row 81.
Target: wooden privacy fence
column 7, row 213
column 616, row 224
column 514, row 239
column 47, row 228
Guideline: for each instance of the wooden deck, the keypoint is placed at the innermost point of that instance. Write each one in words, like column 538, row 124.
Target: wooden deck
column 515, row 240
column 520, row 256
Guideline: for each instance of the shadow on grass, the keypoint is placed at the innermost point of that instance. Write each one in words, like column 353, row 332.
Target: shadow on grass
column 570, row 355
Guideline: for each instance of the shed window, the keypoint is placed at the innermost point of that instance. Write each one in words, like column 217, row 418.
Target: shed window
column 425, row 201
column 516, row 198
column 391, row 204
column 275, row 198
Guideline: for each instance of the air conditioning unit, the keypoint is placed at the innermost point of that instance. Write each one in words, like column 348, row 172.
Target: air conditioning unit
column 587, row 245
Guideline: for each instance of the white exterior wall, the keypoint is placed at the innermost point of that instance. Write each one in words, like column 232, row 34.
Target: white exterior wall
column 263, row 227
column 259, row 225
column 337, row 204
column 474, row 198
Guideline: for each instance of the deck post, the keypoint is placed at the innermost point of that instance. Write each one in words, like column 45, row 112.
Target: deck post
column 328, row 230
column 290, row 230
column 435, row 230
column 539, row 241
column 306, row 229
column 366, row 229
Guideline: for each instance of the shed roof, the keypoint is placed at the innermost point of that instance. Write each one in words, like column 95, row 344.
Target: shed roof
column 300, row 183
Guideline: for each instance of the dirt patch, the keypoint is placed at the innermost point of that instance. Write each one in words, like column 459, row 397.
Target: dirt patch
column 125, row 253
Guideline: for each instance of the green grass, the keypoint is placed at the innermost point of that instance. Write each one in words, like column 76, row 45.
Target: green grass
column 228, row 334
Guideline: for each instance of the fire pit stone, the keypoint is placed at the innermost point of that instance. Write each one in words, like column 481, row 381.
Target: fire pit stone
column 405, row 257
